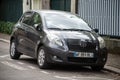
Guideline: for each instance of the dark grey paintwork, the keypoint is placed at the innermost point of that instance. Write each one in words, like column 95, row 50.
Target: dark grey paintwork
column 29, row 39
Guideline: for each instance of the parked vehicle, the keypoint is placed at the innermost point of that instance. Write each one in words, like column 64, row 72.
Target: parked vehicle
column 57, row 37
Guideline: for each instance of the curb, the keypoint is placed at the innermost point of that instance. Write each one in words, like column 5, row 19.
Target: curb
column 4, row 40
column 112, row 69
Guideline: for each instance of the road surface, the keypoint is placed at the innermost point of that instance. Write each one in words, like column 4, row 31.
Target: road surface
column 26, row 68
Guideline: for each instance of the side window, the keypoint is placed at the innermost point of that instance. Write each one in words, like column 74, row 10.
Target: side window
column 26, row 17
column 36, row 20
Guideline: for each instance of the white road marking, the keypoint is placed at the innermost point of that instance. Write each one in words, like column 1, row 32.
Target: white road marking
column 45, row 72
column 66, row 78
column 13, row 65
column 31, row 67
column 4, row 40
column 10, row 59
column 94, row 78
column 3, row 56
column 81, row 78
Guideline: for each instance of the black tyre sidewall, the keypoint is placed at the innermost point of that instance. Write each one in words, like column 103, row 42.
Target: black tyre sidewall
column 16, row 55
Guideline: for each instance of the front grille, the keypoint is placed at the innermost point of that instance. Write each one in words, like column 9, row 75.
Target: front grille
column 82, row 60
column 74, row 45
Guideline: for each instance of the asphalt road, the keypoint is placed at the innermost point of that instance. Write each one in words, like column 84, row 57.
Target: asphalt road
column 26, row 69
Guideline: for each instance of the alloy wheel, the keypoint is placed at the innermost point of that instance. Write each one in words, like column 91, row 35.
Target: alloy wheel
column 12, row 49
column 41, row 57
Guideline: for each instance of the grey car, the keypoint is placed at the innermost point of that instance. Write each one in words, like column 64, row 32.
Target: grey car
column 57, row 37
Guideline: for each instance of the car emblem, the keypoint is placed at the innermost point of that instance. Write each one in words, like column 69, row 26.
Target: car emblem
column 82, row 44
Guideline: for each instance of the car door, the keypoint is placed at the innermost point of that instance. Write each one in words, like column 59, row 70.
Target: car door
column 22, row 32
column 33, row 35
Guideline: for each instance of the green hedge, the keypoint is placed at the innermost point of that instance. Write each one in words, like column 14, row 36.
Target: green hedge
column 6, row 27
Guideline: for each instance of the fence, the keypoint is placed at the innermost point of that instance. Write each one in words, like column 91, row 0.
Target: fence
column 101, row 14
column 11, row 10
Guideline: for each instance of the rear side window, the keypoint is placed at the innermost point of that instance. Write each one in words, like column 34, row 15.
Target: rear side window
column 26, row 18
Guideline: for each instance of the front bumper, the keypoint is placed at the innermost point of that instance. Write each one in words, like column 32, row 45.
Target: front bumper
column 55, row 55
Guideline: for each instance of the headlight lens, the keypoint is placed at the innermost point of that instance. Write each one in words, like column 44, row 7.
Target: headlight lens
column 55, row 39
column 101, row 42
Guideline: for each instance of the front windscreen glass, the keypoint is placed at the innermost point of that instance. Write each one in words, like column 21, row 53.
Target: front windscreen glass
column 65, row 21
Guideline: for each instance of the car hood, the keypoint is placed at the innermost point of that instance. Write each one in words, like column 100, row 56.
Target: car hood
column 83, row 35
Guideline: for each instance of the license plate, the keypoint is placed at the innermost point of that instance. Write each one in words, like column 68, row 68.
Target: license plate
column 84, row 54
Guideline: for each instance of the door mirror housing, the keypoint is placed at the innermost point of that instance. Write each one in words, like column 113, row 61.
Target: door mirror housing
column 96, row 30
column 37, row 27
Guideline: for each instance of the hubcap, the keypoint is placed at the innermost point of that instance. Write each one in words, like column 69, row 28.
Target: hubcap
column 12, row 51
column 41, row 57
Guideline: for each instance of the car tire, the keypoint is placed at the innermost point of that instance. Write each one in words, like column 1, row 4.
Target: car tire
column 13, row 51
column 97, row 68
column 42, row 59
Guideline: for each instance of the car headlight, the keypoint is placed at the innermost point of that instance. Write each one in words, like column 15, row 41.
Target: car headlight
column 55, row 39
column 101, row 42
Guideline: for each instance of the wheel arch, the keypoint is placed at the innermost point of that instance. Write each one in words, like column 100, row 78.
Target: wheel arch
column 12, row 38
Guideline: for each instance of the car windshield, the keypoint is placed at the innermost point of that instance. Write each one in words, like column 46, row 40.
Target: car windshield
column 66, row 21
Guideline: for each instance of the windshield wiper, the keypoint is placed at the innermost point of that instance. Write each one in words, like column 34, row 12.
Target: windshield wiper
column 56, row 28
column 73, row 29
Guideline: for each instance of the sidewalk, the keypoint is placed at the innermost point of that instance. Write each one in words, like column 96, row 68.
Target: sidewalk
column 5, row 36
column 113, row 62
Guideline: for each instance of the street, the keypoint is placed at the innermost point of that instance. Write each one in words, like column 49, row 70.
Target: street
column 26, row 68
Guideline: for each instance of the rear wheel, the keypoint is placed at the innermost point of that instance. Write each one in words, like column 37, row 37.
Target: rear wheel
column 97, row 68
column 41, row 58
column 13, row 52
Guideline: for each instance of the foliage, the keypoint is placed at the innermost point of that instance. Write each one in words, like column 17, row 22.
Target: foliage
column 6, row 27
column 106, row 37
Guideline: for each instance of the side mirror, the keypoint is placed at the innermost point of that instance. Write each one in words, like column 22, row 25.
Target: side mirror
column 96, row 30
column 38, row 27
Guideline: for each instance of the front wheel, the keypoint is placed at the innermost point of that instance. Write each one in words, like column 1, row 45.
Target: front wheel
column 97, row 68
column 41, row 58
column 13, row 52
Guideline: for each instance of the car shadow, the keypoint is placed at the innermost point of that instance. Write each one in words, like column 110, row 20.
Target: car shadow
column 28, row 60
column 74, row 68
column 61, row 67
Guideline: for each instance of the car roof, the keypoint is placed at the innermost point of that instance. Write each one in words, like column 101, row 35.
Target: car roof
column 50, row 11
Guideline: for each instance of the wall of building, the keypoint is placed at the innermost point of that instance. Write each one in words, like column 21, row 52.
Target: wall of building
column 113, row 45
column 11, row 10
column 26, row 5
column 46, row 4
column 73, row 6
column 64, row 5
column 35, row 4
